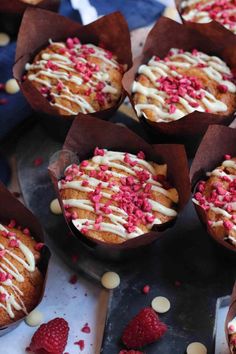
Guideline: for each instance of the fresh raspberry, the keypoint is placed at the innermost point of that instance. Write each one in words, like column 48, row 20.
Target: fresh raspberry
column 50, row 337
column 143, row 329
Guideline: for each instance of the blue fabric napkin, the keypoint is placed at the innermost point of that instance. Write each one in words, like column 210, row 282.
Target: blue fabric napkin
column 16, row 109
column 138, row 13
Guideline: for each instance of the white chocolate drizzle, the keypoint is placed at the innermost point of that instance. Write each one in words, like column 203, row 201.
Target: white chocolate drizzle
column 203, row 101
column 14, row 300
column 118, row 217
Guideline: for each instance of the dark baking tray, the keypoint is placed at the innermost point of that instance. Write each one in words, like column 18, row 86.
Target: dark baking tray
column 185, row 254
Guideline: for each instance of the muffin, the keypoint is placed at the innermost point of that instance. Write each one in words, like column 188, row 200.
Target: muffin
column 217, row 198
column 76, row 77
column 203, row 11
column 116, row 196
column 21, row 281
column 168, row 89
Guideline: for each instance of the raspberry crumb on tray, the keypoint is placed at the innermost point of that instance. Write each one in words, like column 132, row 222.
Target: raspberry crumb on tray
column 50, row 337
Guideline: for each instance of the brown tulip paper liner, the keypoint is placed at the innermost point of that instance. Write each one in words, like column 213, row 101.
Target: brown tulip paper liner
column 86, row 134
column 11, row 208
column 18, row 7
column 217, row 142
column 212, row 39
column 231, row 313
column 39, row 25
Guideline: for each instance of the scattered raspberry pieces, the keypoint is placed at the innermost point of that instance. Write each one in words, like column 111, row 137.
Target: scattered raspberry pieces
column 228, row 224
column 222, row 11
column 231, row 328
column 60, row 86
column 3, row 297
column 177, row 283
column 73, row 279
column 38, row 246
column 16, row 194
column 13, row 243
column 26, row 231
column 222, row 88
column 145, row 328
column 51, row 337
column 130, row 352
column 141, row 155
column 172, row 109
column 80, row 343
column 51, row 65
column 86, row 328
column 3, row 101
column 38, row 161
column 3, row 277
column 12, row 224
column 84, row 163
column 2, row 253
column 146, row 289
column 177, row 87
column 84, row 230
column 227, row 157
column 74, row 258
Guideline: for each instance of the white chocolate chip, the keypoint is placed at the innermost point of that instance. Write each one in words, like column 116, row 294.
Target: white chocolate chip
column 196, row 348
column 34, row 318
column 160, row 304
column 110, row 280
column 55, row 207
column 4, row 39
column 12, row 86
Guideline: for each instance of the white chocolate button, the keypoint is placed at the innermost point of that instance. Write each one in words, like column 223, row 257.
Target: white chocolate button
column 4, row 39
column 171, row 13
column 110, row 280
column 55, row 207
column 11, row 86
column 34, row 318
column 160, row 304
column 196, row 348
